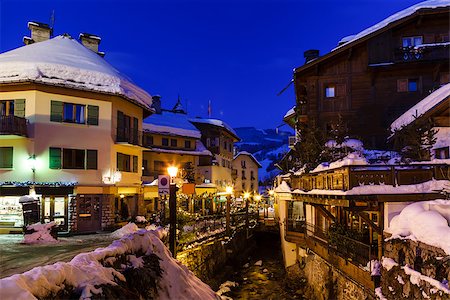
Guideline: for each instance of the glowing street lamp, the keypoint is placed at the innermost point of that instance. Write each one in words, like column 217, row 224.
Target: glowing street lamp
column 173, row 171
column 229, row 192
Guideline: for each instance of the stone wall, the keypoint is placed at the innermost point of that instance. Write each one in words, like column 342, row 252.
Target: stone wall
column 212, row 262
column 107, row 213
column 427, row 260
column 326, row 282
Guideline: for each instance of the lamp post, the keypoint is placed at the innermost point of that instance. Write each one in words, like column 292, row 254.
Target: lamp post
column 258, row 199
column 172, row 210
column 229, row 191
column 247, row 224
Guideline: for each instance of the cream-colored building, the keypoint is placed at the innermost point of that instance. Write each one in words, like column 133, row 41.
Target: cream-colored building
column 246, row 166
column 70, row 134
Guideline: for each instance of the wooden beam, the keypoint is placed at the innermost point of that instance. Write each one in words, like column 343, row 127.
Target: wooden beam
column 367, row 219
column 325, row 212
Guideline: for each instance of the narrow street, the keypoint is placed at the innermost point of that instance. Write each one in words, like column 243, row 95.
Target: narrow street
column 268, row 280
column 18, row 258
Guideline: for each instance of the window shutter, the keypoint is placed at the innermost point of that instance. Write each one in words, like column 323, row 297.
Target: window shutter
column 341, row 90
column 56, row 111
column 92, row 114
column 135, row 164
column 55, row 158
column 19, row 108
column 402, row 85
column 6, row 157
column 91, row 159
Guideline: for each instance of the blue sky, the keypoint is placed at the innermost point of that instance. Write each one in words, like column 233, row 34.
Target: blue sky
column 237, row 54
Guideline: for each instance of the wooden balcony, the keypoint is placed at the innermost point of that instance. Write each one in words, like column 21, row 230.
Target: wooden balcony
column 295, row 231
column 347, row 177
column 12, row 125
column 132, row 137
column 425, row 52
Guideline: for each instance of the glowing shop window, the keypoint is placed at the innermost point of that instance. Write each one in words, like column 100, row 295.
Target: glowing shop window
column 59, row 206
column 47, row 207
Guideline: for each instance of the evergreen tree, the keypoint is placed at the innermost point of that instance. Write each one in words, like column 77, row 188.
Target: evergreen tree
column 189, row 172
column 309, row 150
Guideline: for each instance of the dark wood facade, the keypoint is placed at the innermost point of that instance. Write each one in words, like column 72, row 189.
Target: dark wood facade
column 373, row 80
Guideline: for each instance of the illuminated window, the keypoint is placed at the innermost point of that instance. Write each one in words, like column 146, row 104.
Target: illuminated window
column 411, row 41
column 330, row 91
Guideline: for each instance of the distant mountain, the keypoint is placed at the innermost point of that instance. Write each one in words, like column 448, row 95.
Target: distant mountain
column 267, row 145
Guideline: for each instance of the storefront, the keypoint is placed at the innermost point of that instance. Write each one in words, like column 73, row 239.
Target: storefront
column 11, row 213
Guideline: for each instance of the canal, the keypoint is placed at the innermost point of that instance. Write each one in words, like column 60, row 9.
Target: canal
column 264, row 276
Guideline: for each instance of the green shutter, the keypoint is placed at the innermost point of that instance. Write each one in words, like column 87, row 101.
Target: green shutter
column 6, row 157
column 19, row 108
column 55, row 158
column 56, row 111
column 92, row 113
column 91, row 161
column 135, row 164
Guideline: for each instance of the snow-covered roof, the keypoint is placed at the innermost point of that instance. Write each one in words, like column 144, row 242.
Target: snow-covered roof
column 289, row 113
column 215, row 122
column 200, row 149
column 250, row 155
column 171, row 124
column 351, row 159
column 62, row 61
column 437, row 97
column 395, row 17
column 283, row 188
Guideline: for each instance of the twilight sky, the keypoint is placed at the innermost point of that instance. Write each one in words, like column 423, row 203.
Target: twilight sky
column 236, row 53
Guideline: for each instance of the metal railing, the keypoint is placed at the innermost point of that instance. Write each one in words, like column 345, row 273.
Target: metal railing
column 295, row 225
column 342, row 245
column 13, row 125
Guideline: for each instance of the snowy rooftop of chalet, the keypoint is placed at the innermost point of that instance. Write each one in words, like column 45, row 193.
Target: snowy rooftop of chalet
column 395, row 17
column 171, row 124
column 62, row 61
column 215, row 122
column 250, row 155
column 289, row 112
column 429, row 102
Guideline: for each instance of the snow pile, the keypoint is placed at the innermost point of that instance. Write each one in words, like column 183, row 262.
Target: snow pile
column 435, row 98
column 225, row 288
column 85, row 271
column 351, row 159
column 348, row 143
column 41, row 234
column 141, row 219
column 65, row 62
column 127, row 229
column 283, row 188
column 388, row 263
column 379, row 294
column 426, row 221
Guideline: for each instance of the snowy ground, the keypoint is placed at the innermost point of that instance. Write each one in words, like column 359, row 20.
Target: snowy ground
column 18, row 258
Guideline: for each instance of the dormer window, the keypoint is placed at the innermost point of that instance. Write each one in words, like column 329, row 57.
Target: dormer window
column 412, row 41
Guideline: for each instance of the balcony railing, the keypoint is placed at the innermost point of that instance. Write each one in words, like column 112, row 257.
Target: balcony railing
column 12, row 125
column 133, row 137
column 436, row 51
column 348, row 177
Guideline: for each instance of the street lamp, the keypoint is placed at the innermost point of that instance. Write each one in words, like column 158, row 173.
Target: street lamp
column 229, row 192
column 173, row 171
column 257, row 198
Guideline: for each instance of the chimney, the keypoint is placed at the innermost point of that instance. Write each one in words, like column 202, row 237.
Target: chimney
column 310, row 55
column 156, row 104
column 39, row 32
column 91, row 41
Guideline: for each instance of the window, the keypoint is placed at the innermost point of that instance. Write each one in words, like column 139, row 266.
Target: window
column 225, row 145
column 6, row 157
column 411, row 41
column 243, row 164
column 173, row 143
column 165, row 142
column 148, row 140
column 7, row 108
column 407, row 85
column 208, row 142
column 127, row 129
column 330, row 91
column 252, row 175
column 74, row 113
column 187, row 144
column 224, row 163
column 442, row 153
column 127, row 163
column 159, row 167
column 243, row 175
column 72, row 159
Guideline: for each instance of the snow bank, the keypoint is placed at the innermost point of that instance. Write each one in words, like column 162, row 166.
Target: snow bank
column 41, row 234
column 126, row 229
column 388, row 263
column 85, row 271
column 350, row 159
column 416, row 277
column 426, row 221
